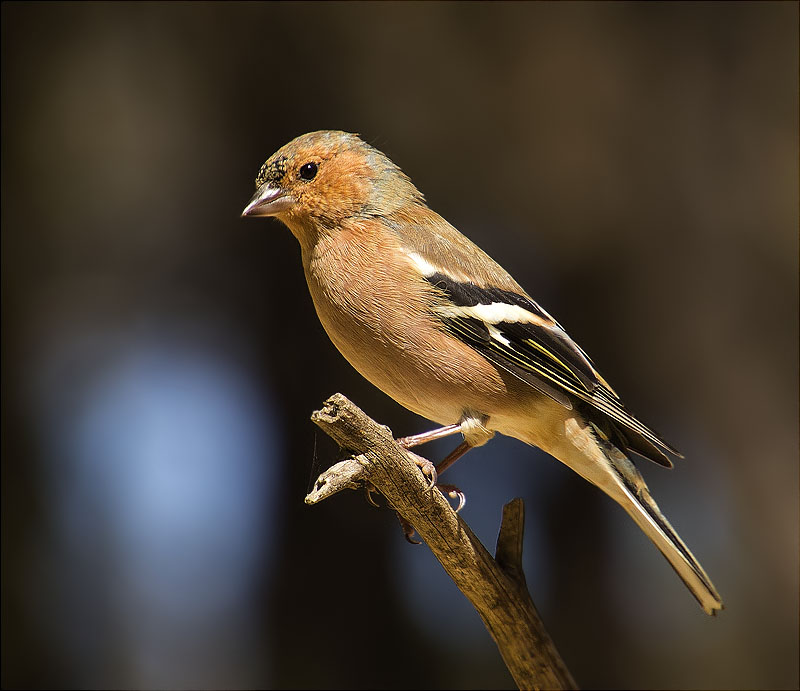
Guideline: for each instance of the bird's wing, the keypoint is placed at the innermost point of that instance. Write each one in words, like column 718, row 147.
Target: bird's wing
column 512, row 331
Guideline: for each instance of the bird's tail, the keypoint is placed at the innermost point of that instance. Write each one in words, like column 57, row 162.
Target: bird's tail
column 612, row 471
column 642, row 509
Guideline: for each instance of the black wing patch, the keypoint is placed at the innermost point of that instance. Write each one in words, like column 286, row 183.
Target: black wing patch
column 475, row 333
column 539, row 352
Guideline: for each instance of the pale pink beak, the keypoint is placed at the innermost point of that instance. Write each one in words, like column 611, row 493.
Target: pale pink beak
column 268, row 201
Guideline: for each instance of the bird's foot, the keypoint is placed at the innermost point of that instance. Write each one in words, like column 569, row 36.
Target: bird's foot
column 452, row 492
column 427, row 467
column 369, row 490
column 408, row 530
column 431, row 471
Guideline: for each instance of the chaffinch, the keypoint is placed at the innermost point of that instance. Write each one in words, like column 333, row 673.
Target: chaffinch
column 435, row 323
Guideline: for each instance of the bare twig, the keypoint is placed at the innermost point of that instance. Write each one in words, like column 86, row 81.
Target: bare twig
column 496, row 588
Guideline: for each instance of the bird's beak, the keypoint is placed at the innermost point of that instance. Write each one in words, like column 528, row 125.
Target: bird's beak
column 267, row 201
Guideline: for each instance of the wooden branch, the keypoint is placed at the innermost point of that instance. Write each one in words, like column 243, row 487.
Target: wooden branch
column 496, row 588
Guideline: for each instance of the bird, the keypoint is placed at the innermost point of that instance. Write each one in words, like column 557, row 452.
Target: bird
column 435, row 323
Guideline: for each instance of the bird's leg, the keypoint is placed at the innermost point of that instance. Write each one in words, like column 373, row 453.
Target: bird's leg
column 433, row 471
column 475, row 434
column 428, row 469
column 453, row 456
column 451, row 490
column 425, row 437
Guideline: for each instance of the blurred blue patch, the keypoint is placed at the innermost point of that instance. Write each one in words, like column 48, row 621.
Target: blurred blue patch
column 162, row 489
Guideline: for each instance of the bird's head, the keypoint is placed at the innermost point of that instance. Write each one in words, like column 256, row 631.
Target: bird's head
column 319, row 180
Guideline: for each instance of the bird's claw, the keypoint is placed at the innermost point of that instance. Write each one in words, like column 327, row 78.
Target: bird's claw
column 408, row 530
column 369, row 490
column 452, row 492
column 428, row 469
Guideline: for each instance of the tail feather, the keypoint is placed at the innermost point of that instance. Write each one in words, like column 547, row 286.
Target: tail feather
column 641, row 507
column 612, row 471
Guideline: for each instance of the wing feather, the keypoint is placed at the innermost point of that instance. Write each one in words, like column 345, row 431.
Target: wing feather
column 516, row 334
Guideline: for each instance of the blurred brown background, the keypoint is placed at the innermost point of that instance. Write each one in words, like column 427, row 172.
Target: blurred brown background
column 635, row 166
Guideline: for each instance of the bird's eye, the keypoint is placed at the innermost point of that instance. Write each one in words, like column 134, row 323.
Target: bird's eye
column 308, row 171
